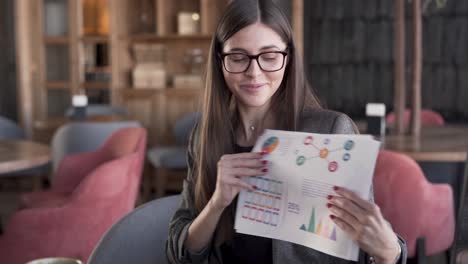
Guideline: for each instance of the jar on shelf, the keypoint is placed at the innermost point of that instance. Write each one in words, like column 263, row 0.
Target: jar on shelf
column 188, row 23
column 194, row 61
column 192, row 78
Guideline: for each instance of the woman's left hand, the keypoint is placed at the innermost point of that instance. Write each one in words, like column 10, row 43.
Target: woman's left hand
column 364, row 223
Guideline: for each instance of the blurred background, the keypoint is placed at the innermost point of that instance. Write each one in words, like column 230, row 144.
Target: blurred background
column 75, row 72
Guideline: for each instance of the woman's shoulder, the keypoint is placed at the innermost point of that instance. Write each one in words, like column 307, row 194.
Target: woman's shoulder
column 324, row 121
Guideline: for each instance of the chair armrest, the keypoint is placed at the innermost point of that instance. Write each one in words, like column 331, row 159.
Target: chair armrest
column 73, row 168
column 43, row 199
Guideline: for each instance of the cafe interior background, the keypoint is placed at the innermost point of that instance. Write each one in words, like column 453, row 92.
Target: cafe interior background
column 119, row 63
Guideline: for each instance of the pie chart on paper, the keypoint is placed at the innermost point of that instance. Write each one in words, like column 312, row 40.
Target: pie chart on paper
column 270, row 145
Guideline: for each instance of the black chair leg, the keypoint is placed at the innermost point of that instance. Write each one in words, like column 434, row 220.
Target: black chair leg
column 421, row 251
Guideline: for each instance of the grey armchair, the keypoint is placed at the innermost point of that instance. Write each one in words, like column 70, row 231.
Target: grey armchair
column 10, row 130
column 139, row 237
column 171, row 159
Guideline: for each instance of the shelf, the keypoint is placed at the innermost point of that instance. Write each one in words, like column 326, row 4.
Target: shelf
column 56, row 40
column 183, row 92
column 140, row 92
column 96, row 85
column 172, row 37
column 57, row 85
column 95, row 39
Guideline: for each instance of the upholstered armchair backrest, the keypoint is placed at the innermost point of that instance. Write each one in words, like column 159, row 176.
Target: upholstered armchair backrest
column 121, row 172
column 428, row 117
column 73, row 169
column 414, row 207
column 83, row 137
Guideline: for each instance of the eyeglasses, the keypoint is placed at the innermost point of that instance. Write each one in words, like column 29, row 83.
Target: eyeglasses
column 269, row 61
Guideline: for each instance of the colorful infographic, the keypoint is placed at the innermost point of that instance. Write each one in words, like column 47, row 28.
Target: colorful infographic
column 324, row 153
column 325, row 227
column 289, row 202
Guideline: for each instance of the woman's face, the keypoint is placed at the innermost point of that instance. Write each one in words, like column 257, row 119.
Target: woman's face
column 254, row 87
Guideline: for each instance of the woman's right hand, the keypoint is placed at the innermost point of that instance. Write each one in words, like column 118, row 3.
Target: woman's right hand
column 232, row 168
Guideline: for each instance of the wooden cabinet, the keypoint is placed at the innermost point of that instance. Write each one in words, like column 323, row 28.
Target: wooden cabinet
column 68, row 47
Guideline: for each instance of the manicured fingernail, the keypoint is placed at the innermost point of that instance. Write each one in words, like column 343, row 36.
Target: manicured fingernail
column 263, row 153
column 264, row 162
column 329, row 197
column 329, row 205
column 332, row 217
column 265, row 170
column 336, row 188
column 254, row 187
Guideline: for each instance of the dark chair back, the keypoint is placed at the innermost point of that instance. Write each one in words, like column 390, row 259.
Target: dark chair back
column 140, row 236
column 10, row 130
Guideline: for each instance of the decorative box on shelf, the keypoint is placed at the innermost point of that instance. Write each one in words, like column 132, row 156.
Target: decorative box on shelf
column 149, row 71
column 188, row 23
column 188, row 81
column 149, row 75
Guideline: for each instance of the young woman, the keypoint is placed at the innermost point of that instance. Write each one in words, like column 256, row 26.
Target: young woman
column 255, row 81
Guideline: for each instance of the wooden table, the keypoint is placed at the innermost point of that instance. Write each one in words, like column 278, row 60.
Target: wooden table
column 16, row 155
column 435, row 144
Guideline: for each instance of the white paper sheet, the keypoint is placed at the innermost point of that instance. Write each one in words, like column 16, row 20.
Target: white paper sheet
column 290, row 201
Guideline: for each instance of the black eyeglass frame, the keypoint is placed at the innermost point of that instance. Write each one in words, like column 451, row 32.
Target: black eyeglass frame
column 253, row 57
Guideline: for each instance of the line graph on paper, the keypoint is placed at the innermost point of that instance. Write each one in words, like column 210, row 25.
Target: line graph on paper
column 265, row 204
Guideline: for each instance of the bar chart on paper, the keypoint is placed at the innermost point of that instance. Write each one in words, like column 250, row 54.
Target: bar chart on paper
column 265, row 204
column 324, row 227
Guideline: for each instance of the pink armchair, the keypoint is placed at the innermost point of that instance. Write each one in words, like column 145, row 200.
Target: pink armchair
column 90, row 192
column 428, row 117
column 415, row 207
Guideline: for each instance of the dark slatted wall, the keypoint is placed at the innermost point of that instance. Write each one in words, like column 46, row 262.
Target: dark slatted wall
column 349, row 54
column 7, row 61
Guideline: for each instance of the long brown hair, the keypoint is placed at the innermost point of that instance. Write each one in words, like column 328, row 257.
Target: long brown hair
column 220, row 118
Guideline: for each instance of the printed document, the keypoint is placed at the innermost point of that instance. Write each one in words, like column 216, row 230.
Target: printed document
column 289, row 203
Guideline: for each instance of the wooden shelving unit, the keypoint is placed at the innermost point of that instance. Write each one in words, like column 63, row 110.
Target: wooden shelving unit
column 158, row 109
column 59, row 58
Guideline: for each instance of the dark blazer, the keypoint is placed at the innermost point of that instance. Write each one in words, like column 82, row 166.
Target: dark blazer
column 313, row 121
